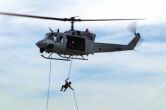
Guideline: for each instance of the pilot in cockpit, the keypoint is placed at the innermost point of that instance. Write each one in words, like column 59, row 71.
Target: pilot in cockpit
column 59, row 39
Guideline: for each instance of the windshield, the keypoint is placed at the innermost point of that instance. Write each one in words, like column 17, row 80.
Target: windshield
column 54, row 36
column 49, row 36
column 59, row 39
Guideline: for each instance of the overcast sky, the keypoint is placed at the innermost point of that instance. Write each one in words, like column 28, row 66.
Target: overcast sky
column 131, row 80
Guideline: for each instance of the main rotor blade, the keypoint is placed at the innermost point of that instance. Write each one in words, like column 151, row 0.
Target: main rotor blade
column 72, row 19
column 33, row 16
column 109, row 19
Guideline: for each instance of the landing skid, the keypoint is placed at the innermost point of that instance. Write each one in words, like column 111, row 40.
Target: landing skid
column 64, row 57
column 71, row 57
column 54, row 58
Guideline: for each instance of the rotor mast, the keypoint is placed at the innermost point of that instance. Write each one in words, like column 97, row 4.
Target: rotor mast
column 72, row 23
column 72, row 20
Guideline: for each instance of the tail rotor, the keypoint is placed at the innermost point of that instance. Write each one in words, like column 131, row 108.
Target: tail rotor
column 133, row 27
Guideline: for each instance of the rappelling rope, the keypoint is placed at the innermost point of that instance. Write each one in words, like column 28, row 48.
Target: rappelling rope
column 75, row 100
column 70, row 69
column 73, row 90
column 49, row 81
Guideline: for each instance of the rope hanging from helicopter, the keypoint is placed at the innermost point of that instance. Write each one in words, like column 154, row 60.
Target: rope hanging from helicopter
column 70, row 69
column 75, row 100
column 49, row 83
column 74, row 95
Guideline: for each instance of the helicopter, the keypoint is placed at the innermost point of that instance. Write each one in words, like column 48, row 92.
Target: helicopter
column 75, row 44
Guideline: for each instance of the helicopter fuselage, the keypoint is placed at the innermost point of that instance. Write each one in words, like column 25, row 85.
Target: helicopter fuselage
column 68, row 43
column 78, row 43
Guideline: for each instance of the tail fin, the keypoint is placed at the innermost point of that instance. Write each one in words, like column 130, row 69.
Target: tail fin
column 134, row 41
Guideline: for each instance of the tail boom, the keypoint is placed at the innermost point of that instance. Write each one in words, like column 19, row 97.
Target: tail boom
column 105, row 47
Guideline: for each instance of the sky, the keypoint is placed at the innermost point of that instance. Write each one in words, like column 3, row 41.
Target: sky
column 130, row 80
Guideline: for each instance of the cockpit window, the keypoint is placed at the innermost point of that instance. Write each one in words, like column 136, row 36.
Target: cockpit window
column 46, row 35
column 55, row 37
column 59, row 39
column 49, row 36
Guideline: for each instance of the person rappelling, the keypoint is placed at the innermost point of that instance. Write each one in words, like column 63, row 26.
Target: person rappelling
column 66, row 85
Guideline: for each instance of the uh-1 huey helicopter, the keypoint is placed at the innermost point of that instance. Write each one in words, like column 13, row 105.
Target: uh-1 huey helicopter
column 74, row 44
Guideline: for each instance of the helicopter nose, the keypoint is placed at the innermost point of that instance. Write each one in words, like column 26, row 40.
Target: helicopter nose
column 39, row 44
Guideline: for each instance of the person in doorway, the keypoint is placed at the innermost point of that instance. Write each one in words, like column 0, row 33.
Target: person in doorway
column 66, row 85
column 87, row 32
